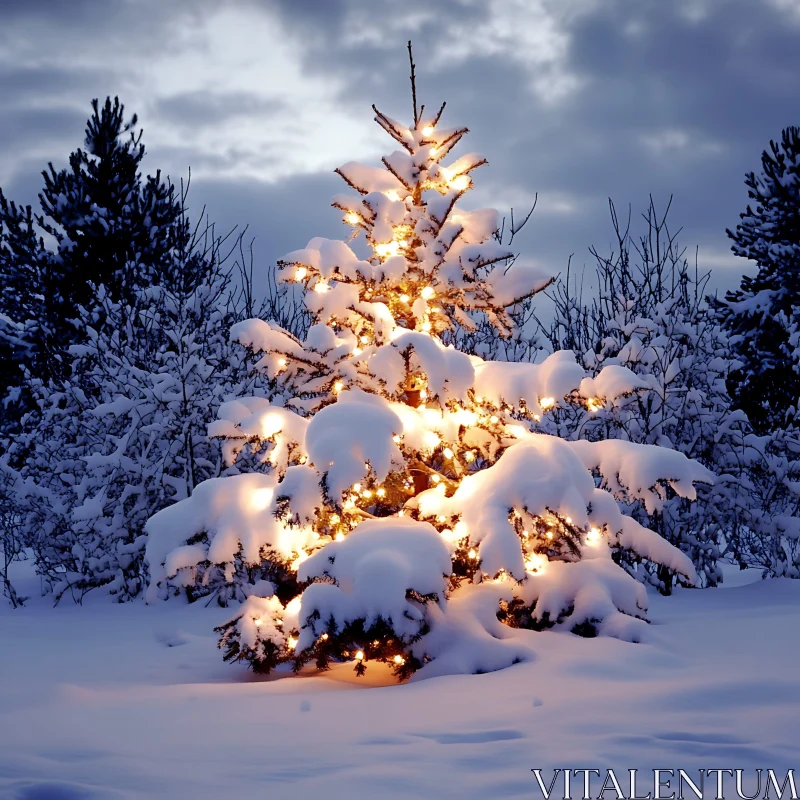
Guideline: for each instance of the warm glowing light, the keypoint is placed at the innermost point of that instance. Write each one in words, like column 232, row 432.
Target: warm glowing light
column 258, row 622
column 281, row 362
column 367, row 493
column 360, row 655
column 535, row 563
column 324, row 637
column 494, row 419
column 426, row 326
column 357, row 351
column 386, row 249
column 404, row 298
column 568, row 520
column 549, row 534
column 291, row 642
column 352, row 218
column 399, row 660
column 423, row 394
column 441, row 518
column 427, row 130
column 300, row 273
column 396, row 439
column 434, row 152
column 365, row 339
column 460, row 529
column 461, row 183
column 431, row 440
column 338, row 386
column 356, row 487
column 436, row 478
column 473, row 554
column 381, row 492
column 335, row 519
column 321, row 287
column 447, row 452
column 593, row 404
column 392, row 195
column 469, row 456
column 339, row 537
column 260, row 499
column 546, row 402
column 593, row 537
column 427, row 293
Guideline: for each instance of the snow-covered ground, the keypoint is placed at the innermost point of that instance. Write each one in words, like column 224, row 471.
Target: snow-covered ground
column 131, row 700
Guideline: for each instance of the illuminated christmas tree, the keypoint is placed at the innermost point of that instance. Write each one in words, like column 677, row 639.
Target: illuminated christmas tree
column 406, row 509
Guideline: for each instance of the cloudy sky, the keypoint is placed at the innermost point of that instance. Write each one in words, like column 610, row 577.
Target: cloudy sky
column 576, row 100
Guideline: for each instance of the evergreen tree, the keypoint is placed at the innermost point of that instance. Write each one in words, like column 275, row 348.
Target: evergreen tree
column 762, row 315
column 407, row 496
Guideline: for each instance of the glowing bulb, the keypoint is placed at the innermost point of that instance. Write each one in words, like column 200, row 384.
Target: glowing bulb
column 258, row 622
column 434, row 151
column 360, row 655
column 335, row 519
column 392, row 195
column 593, row 537
column 291, row 642
column 426, row 326
column 549, row 534
column 321, row 287
column 461, row 183
column 300, row 273
column 324, row 637
column 356, row 487
column 338, row 386
column 399, row 660
column 381, row 492
column 494, row 419
column 366, row 493
column 593, row 404
column 460, row 529
column 386, row 249
column 396, row 439
column 365, row 339
column 339, row 537
column 469, row 456
column 436, row 479
column 546, row 402
column 404, row 298
column 281, row 362
column 427, row 293
column 447, row 452
column 568, row 520
column 357, row 351
column 473, row 554
column 427, row 130
column 352, row 218
column 260, row 499
column 423, row 394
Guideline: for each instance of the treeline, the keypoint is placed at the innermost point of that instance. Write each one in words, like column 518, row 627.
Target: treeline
column 115, row 357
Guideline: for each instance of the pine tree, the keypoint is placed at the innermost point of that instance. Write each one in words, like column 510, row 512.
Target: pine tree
column 110, row 227
column 406, row 495
column 762, row 314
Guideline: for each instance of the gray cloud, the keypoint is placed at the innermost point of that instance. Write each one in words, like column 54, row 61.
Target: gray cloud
column 574, row 99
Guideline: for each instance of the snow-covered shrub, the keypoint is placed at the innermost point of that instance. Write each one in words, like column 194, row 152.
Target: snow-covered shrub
column 405, row 482
column 126, row 433
column 651, row 317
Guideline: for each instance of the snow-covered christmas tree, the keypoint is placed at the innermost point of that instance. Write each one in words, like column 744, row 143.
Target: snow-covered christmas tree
column 408, row 510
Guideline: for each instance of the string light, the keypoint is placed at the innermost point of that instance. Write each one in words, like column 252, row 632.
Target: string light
column 357, row 351
column 335, row 519
column 469, row 456
column 428, row 130
column 258, row 622
column 338, row 386
column 427, row 293
column 356, row 487
column 423, row 394
column 321, row 287
column 324, row 637
column 386, row 249
column 291, row 642
column 365, row 339
column 399, row 660
column 593, row 404
column 460, row 529
column 404, row 298
column 281, row 362
column 300, row 273
column 546, row 402
column 473, row 554
column 352, row 218
column 426, row 326
column 494, row 419
column 392, row 195
column 381, row 492
column 360, row 655
column 396, row 439
column 461, row 183
column 447, row 452
column 434, row 151
column 436, row 479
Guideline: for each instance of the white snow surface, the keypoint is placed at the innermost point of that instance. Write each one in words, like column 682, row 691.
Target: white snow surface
column 133, row 701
